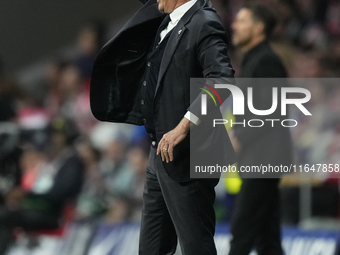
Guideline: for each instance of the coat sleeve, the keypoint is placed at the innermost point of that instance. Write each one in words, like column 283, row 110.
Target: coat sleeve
column 213, row 58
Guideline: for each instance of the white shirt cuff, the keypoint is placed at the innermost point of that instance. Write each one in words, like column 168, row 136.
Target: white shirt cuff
column 193, row 118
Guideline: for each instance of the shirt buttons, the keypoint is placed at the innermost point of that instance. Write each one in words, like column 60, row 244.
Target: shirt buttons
column 153, row 143
column 151, row 135
column 149, row 64
column 142, row 102
column 144, row 83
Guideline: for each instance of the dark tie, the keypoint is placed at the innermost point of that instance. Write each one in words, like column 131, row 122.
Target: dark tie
column 162, row 26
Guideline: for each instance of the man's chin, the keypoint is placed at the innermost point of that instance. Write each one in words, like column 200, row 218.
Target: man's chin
column 238, row 43
column 235, row 43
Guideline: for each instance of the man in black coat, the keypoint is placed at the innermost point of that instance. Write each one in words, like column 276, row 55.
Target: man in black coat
column 256, row 217
column 142, row 77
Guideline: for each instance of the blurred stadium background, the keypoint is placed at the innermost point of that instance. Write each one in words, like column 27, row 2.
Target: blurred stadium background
column 47, row 50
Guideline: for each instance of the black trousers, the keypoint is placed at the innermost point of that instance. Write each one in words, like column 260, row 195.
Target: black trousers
column 26, row 219
column 173, row 209
column 256, row 218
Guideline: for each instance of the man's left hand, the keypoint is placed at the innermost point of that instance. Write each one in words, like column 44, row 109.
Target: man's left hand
column 171, row 139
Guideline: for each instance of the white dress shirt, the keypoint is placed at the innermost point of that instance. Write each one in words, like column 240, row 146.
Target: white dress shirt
column 175, row 17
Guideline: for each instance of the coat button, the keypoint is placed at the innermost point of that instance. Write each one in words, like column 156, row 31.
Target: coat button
column 142, row 102
column 153, row 143
column 149, row 64
column 144, row 120
column 144, row 83
column 151, row 135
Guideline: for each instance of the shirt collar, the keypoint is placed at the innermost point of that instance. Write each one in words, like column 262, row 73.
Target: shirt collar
column 179, row 12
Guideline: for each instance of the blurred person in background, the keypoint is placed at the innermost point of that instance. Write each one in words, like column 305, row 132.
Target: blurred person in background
column 115, row 168
column 118, row 177
column 290, row 21
column 33, row 119
column 55, row 185
column 10, row 153
column 70, row 87
column 138, row 160
column 10, row 94
column 74, row 98
column 256, row 217
column 91, row 202
column 90, row 40
column 32, row 160
column 52, row 99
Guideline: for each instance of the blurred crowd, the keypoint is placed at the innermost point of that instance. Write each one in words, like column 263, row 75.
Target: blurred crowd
column 41, row 129
column 44, row 130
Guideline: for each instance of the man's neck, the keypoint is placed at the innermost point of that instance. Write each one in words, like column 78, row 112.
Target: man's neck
column 254, row 42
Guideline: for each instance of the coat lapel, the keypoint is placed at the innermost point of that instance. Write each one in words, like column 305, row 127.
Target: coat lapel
column 174, row 39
